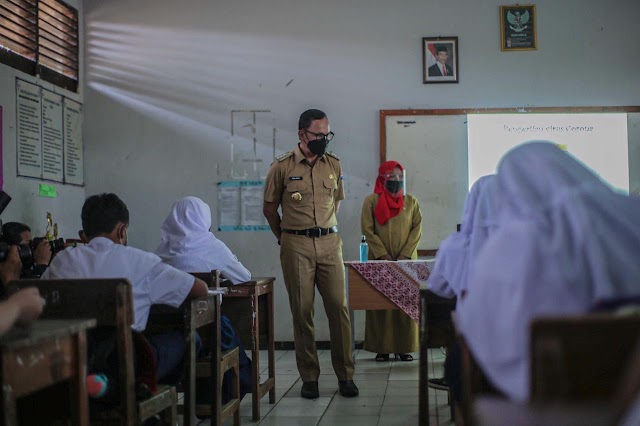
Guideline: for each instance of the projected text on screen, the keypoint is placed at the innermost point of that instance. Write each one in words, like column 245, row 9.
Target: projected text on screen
column 598, row 140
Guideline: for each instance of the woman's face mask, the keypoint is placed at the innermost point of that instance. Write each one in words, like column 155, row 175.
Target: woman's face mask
column 394, row 186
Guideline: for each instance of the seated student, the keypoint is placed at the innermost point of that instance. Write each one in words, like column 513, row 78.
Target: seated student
column 105, row 220
column 566, row 243
column 22, row 306
column 188, row 244
column 449, row 277
column 16, row 233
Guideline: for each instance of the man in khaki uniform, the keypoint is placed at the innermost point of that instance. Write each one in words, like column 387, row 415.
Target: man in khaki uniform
column 307, row 183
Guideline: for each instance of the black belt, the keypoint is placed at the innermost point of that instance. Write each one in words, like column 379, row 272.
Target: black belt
column 312, row 232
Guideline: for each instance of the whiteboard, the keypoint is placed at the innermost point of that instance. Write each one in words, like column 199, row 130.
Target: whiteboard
column 433, row 149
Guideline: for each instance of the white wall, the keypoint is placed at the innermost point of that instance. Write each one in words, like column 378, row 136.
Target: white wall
column 163, row 76
column 26, row 206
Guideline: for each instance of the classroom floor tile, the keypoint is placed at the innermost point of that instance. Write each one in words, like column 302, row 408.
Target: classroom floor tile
column 388, row 394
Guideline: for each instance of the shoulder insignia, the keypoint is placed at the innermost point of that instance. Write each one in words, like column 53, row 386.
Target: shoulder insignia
column 331, row 154
column 284, row 156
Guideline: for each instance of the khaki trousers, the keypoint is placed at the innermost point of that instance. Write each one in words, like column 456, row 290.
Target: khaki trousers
column 306, row 263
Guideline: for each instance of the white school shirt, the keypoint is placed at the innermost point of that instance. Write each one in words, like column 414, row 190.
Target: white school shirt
column 153, row 282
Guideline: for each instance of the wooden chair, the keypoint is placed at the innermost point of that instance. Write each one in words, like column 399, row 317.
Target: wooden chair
column 490, row 411
column 580, row 357
column 201, row 315
column 474, row 381
column 436, row 330
column 584, row 370
column 229, row 360
column 109, row 301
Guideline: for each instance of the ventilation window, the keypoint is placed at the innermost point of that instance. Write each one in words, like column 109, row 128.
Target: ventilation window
column 40, row 37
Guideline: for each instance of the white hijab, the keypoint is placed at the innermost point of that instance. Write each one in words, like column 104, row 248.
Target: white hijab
column 565, row 243
column 449, row 276
column 188, row 244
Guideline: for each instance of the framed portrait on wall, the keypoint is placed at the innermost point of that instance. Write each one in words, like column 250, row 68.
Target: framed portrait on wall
column 440, row 60
column 518, row 27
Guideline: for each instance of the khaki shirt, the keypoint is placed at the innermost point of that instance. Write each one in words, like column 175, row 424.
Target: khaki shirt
column 306, row 193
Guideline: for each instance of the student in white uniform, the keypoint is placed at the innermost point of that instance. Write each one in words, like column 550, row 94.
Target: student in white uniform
column 449, row 277
column 188, row 244
column 566, row 243
column 105, row 220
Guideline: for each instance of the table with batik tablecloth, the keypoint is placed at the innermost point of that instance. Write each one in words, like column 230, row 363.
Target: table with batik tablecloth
column 382, row 284
column 402, row 285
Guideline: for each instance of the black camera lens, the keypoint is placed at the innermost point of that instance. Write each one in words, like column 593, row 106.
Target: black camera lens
column 57, row 245
column 24, row 252
column 36, row 242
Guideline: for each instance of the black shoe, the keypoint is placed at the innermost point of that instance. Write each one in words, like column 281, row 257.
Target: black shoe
column 403, row 357
column 382, row 357
column 310, row 390
column 440, row 384
column 348, row 388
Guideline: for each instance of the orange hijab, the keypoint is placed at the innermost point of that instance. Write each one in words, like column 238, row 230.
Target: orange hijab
column 389, row 205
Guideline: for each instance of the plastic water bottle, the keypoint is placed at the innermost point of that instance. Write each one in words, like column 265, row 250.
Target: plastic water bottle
column 364, row 250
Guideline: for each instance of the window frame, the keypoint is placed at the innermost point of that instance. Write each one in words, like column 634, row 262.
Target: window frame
column 34, row 66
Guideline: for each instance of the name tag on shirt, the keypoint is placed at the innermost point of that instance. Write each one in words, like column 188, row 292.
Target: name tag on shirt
column 295, row 178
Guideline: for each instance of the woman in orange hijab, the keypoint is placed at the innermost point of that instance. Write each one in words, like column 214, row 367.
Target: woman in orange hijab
column 392, row 225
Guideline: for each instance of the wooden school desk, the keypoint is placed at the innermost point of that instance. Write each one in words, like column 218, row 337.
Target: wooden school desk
column 247, row 305
column 41, row 354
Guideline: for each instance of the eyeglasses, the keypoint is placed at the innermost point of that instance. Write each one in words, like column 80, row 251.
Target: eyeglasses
column 320, row 136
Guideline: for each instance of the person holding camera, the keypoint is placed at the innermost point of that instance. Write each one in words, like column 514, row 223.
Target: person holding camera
column 35, row 255
column 22, row 306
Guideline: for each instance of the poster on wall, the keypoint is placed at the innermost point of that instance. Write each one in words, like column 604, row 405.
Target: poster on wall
column 73, row 154
column 240, row 206
column 29, row 115
column 52, row 136
column 49, row 135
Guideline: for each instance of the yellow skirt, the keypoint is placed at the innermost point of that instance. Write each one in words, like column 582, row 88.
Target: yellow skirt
column 391, row 331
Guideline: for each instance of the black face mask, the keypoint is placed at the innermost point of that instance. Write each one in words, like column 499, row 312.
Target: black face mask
column 318, row 146
column 394, row 186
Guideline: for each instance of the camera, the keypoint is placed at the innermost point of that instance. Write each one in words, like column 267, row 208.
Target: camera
column 25, row 251
column 56, row 245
